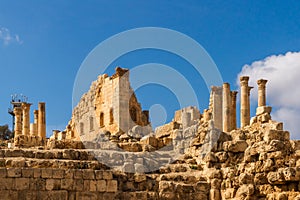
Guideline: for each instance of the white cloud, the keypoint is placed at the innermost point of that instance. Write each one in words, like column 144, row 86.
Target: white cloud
column 8, row 38
column 283, row 92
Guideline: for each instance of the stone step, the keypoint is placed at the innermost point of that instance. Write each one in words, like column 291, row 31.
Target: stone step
column 182, row 177
column 70, row 154
column 50, row 163
column 174, row 168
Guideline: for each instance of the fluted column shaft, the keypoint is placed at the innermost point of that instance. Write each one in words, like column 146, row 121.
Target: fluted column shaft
column 244, row 101
column 248, row 104
column 261, row 92
column 18, row 121
column 226, row 107
column 26, row 118
column 217, row 107
column 42, row 121
column 233, row 109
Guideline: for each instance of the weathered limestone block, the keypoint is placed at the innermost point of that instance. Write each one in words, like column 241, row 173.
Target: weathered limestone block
column 141, row 130
column 222, row 156
column 58, row 173
column 274, row 125
column 212, row 173
column 165, row 189
column 128, row 167
column 229, row 193
column 112, row 186
column 176, row 134
column 260, row 179
column 3, row 173
column 22, row 184
column 235, row 146
column 276, row 145
column 131, row 146
column 14, row 172
column 210, row 157
column 268, row 165
column 140, row 178
column 290, row 174
column 202, row 186
column 67, row 184
column 215, row 183
column 295, row 144
column 245, row 179
column 245, row 190
column 265, row 189
column 275, row 178
column 276, row 135
column 139, row 168
column 47, row 173
column 238, row 135
column 53, row 184
column 165, row 130
column 214, row 194
column 194, row 114
column 150, row 140
column 59, row 194
column 107, row 175
column 87, row 174
column 263, row 109
column 264, row 118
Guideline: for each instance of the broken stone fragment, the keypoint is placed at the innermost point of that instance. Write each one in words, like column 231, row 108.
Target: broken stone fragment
column 235, row 146
column 263, row 109
column 245, row 190
column 270, row 135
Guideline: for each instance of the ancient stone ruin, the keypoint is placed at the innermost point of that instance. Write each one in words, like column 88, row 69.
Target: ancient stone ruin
column 28, row 134
column 109, row 150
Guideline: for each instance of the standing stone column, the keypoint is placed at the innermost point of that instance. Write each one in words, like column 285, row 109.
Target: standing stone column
column 18, row 121
column 244, row 101
column 34, row 126
column 36, row 114
column 261, row 92
column 226, row 104
column 248, row 116
column 42, row 121
column 217, row 106
column 26, row 118
column 233, row 109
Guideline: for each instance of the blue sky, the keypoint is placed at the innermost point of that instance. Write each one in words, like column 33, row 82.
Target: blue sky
column 50, row 39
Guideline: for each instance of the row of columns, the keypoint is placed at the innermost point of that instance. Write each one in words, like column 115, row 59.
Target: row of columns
column 22, row 121
column 228, row 104
column 245, row 98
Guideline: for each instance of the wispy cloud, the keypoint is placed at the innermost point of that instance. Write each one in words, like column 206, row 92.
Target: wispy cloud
column 283, row 72
column 7, row 37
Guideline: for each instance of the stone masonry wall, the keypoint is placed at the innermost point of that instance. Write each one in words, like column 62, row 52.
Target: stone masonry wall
column 47, row 183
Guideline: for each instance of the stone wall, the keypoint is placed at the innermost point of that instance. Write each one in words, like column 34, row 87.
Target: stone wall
column 47, row 183
column 109, row 105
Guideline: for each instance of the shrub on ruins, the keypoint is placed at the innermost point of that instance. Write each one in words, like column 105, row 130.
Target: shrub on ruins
column 5, row 133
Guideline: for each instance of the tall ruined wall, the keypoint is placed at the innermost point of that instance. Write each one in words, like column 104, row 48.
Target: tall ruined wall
column 109, row 105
